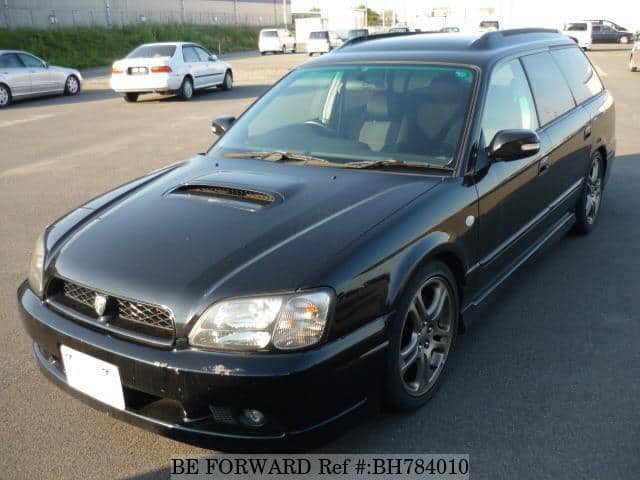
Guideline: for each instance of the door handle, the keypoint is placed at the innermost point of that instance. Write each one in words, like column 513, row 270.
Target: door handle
column 543, row 166
column 587, row 131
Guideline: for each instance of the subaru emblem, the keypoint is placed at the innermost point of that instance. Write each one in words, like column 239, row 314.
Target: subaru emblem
column 100, row 304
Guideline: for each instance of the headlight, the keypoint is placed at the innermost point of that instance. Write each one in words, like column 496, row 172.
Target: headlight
column 287, row 322
column 36, row 267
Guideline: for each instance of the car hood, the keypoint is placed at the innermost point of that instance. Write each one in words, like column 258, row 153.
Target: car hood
column 216, row 228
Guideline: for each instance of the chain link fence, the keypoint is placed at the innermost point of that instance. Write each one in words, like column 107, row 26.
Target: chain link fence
column 230, row 12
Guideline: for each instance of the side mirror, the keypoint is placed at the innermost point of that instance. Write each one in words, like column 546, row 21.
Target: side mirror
column 46, row 64
column 513, row 145
column 220, row 125
column 213, row 58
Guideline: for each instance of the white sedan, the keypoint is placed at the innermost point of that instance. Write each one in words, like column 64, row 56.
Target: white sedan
column 176, row 67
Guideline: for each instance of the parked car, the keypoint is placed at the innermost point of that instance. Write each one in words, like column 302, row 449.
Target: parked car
column 23, row 75
column 276, row 40
column 634, row 59
column 169, row 68
column 331, row 244
column 399, row 29
column 489, row 25
column 323, row 41
column 357, row 32
column 609, row 32
column 581, row 32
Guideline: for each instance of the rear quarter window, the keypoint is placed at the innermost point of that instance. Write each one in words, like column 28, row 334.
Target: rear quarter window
column 550, row 89
column 577, row 69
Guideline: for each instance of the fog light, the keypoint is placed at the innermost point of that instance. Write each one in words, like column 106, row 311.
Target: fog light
column 253, row 418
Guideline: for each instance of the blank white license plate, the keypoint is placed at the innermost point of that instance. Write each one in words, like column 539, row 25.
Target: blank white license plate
column 93, row 377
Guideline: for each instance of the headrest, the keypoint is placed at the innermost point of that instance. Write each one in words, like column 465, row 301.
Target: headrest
column 378, row 106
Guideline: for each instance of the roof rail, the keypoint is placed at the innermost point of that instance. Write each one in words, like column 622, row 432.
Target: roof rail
column 375, row 36
column 499, row 38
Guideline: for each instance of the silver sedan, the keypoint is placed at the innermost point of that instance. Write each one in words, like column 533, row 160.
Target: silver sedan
column 24, row 75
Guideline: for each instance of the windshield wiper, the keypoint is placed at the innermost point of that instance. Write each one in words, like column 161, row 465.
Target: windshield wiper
column 390, row 162
column 277, row 156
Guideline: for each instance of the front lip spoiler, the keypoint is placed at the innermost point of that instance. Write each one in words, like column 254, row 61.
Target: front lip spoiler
column 219, row 440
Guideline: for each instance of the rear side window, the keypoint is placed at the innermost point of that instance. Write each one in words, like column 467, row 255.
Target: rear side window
column 269, row 33
column 509, row 102
column 550, row 89
column 190, row 55
column 10, row 60
column 583, row 81
column 575, row 27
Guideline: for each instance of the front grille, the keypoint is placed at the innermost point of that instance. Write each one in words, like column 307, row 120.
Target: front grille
column 121, row 313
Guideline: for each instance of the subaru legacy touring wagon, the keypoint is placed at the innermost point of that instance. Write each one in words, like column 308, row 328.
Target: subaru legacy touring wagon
column 323, row 255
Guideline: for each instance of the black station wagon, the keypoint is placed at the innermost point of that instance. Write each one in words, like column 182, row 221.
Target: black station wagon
column 325, row 252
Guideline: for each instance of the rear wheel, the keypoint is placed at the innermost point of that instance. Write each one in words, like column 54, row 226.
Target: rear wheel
column 589, row 204
column 186, row 89
column 131, row 97
column 72, row 85
column 227, row 83
column 5, row 96
column 422, row 333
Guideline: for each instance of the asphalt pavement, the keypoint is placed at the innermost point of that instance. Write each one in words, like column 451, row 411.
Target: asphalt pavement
column 544, row 385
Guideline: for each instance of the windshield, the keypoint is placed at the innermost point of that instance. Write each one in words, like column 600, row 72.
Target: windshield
column 350, row 113
column 153, row 51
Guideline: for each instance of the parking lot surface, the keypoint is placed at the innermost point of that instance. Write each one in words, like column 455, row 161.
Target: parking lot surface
column 543, row 385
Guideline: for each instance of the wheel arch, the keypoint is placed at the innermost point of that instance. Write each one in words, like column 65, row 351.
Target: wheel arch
column 439, row 247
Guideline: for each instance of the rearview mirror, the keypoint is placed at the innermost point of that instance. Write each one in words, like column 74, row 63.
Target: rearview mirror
column 220, row 125
column 513, row 144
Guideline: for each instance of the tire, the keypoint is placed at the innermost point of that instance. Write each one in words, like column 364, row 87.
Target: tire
column 263, row 53
column 131, row 97
column 284, row 50
column 72, row 85
column 588, row 206
column 632, row 67
column 5, row 96
column 227, row 83
column 411, row 377
column 186, row 89
column 624, row 40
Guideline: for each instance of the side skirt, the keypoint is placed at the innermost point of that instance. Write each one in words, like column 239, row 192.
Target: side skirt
column 557, row 230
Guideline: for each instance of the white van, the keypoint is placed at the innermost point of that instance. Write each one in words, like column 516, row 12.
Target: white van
column 323, row 41
column 276, row 40
column 581, row 31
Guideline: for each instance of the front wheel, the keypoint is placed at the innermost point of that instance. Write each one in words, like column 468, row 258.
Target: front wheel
column 422, row 333
column 624, row 40
column 186, row 89
column 5, row 96
column 227, row 83
column 589, row 204
column 72, row 85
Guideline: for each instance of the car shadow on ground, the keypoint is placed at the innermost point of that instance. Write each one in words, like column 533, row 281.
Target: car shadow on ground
column 85, row 96
column 237, row 93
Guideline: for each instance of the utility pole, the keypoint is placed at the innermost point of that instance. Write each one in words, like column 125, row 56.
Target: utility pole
column 107, row 7
column 235, row 11
column 284, row 13
column 366, row 14
column 182, row 11
column 6, row 13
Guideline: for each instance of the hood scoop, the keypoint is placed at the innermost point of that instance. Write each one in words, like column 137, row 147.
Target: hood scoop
column 233, row 196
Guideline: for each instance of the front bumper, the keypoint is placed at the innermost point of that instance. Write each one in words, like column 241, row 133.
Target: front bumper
column 197, row 396
column 153, row 82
